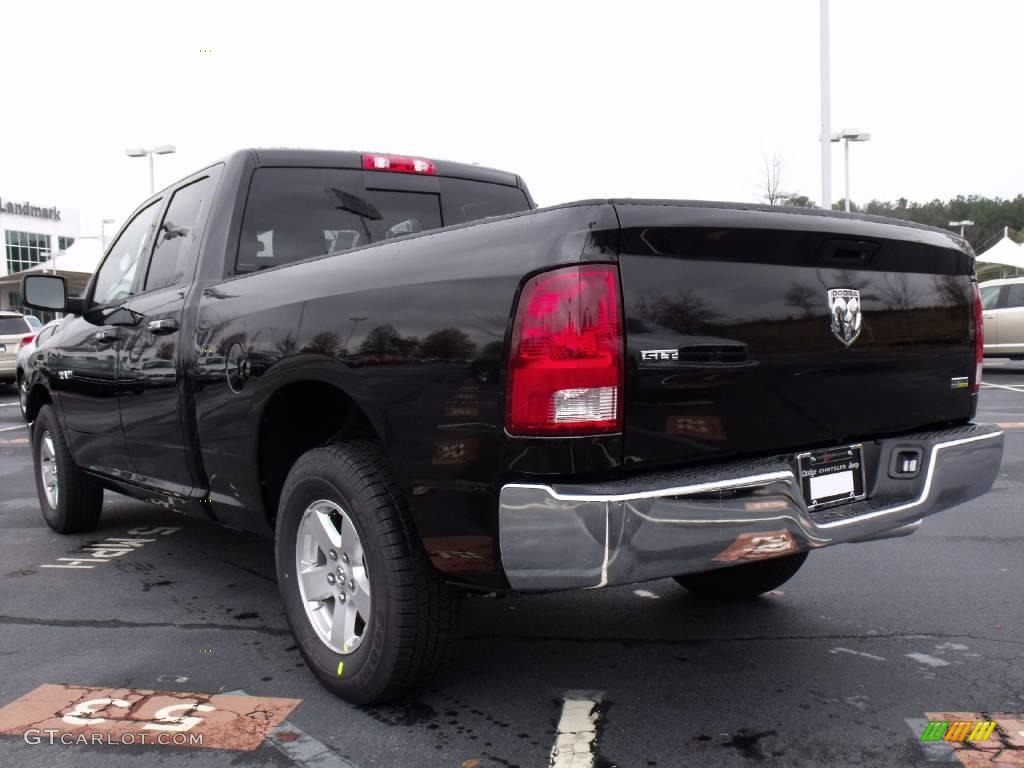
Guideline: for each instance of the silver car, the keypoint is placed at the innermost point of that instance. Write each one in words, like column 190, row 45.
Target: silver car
column 24, row 361
column 16, row 330
column 1002, row 306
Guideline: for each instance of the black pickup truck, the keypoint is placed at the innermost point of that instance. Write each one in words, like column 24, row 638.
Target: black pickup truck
column 421, row 385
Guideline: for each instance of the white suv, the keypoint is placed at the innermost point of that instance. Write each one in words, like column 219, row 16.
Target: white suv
column 16, row 330
column 1002, row 304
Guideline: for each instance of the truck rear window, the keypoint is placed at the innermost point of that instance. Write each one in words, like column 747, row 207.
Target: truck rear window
column 295, row 213
column 10, row 326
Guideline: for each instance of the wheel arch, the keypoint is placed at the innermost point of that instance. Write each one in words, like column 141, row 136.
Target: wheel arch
column 309, row 402
column 38, row 396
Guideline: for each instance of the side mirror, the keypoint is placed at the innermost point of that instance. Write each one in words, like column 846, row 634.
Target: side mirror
column 47, row 292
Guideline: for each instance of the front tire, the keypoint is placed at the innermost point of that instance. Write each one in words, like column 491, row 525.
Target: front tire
column 741, row 582
column 71, row 502
column 369, row 613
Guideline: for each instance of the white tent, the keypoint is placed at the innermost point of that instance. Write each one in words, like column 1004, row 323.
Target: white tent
column 1004, row 259
column 1004, row 252
column 76, row 265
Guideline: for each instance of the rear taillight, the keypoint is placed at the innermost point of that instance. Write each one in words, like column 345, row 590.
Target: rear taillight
column 979, row 339
column 27, row 340
column 399, row 164
column 565, row 373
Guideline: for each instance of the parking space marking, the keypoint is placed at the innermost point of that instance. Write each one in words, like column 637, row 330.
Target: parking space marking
column 857, row 653
column 1017, row 388
column 111, row 547
column 11, row 429
column 65, row 714
column 299, row 747
column 577, row 731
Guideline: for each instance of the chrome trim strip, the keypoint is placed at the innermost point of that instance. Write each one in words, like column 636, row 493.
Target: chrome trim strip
column 753, row 480
column 926, row 491
column 684, row 490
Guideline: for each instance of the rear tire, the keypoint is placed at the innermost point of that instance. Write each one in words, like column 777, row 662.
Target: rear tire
column 71, row 502
column 342, row 499
column 741, row 582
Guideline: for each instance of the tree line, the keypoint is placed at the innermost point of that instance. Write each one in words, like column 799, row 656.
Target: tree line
column 989, row 214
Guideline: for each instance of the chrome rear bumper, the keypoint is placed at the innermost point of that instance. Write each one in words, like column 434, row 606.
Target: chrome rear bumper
column 673, row 523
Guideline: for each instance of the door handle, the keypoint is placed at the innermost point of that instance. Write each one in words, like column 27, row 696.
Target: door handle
column 106, row 336
column 163, row 327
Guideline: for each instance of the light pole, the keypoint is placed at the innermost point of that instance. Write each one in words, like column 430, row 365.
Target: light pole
column 846, row 136
column 962, row 224
column 103, row 233
column 163, row 149
column 826, row 113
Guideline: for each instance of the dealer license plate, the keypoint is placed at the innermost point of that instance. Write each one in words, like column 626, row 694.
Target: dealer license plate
column 832, row 476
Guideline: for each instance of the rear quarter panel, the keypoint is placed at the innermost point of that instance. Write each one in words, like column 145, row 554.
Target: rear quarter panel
column 414, row 331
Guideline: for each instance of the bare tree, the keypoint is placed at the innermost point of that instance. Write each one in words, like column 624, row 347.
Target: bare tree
column 771, row 181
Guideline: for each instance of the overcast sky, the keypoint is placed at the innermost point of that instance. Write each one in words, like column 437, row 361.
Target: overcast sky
column 632, row 99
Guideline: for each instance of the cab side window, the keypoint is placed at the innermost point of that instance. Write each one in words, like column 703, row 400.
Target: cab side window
column 174, row 257
column 115, row 278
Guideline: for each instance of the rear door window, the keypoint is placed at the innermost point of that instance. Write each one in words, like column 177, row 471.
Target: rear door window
column 296, row 213
column 1015, row 296
column 174, row 257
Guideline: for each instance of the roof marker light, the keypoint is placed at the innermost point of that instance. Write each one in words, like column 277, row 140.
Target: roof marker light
column 399, row 164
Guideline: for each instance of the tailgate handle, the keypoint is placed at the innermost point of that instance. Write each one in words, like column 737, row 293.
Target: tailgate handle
column 849, row 251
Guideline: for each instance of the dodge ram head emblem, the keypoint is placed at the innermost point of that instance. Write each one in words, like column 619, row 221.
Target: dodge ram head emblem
column 844, row 309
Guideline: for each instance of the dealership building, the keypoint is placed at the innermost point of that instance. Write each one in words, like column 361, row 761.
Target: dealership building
column 31, row 233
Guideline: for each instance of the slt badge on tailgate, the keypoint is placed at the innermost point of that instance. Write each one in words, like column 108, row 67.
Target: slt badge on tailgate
column 844, row 309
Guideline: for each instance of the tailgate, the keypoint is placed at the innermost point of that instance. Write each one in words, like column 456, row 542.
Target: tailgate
column 751, row 331
column 9, row 346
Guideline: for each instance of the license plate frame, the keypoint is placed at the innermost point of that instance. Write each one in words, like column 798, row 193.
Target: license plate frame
column 832, row 476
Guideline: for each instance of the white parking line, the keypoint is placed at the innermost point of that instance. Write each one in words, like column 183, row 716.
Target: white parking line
column 7, row 405
column 577, row 731
column 1002, row 386
column 11, row 429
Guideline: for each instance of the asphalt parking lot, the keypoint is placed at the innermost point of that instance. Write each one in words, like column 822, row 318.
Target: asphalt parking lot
column 841, row 666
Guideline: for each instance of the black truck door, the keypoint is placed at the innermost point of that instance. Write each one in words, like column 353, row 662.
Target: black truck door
column 153, row 355
column 85, row 361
